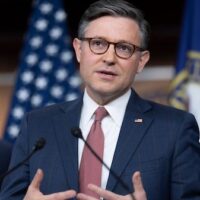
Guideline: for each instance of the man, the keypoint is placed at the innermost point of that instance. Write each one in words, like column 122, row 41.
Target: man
column 142, row 140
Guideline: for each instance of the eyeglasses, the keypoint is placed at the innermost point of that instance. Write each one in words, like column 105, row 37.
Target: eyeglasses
column 122, row 49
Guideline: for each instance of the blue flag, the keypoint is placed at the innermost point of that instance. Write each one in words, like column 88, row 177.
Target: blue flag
column 47, row 72
column 185, row 88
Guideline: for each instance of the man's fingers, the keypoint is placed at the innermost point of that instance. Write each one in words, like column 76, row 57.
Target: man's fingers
column 103, row 193
column 84, row 197
column 37, row 179
column 61, row 195
column 34, row 190
column 137, row 182
column 138, row 186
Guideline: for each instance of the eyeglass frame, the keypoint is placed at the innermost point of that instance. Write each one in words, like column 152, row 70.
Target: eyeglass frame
column 89, row 39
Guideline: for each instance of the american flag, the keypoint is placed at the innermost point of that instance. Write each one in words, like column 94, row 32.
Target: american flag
column 47, row 72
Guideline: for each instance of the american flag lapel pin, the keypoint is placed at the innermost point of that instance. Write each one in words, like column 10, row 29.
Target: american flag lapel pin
column 138, row 120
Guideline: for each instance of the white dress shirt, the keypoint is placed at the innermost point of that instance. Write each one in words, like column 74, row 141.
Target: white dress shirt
column 111, row 126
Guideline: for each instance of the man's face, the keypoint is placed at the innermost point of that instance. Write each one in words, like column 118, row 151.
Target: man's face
column 108, row 76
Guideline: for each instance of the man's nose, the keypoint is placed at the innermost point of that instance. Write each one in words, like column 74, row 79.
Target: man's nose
column 109, row 56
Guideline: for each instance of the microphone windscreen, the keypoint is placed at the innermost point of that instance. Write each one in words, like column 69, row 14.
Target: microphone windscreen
column 76, row 132
column 40, row 143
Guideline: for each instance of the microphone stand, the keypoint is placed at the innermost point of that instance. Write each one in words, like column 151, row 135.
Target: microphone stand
column 38, row 145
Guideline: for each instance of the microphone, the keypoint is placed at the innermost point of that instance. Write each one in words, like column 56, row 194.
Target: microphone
column 76, row 132
column 40, row 143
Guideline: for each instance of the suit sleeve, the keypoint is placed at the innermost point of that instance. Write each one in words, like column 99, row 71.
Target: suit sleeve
column 16, row 183
column 185, row 175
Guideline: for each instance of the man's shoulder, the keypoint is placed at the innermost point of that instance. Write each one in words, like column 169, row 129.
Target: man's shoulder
column 169, row 111
column 52, row 110
column 159, row 109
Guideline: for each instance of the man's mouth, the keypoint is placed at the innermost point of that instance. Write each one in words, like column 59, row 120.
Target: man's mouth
column 106, row 75
column 104, row 72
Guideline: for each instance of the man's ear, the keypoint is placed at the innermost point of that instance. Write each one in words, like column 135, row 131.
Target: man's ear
column 77, row 48
column 145, row 56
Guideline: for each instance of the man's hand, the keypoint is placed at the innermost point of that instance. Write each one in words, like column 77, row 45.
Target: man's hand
column 34, row 193
column 139, row 192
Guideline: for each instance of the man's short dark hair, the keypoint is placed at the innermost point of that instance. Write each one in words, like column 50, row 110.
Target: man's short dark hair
column 118, row 8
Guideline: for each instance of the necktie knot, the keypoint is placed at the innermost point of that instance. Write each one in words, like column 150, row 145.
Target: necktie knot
column 100, row 113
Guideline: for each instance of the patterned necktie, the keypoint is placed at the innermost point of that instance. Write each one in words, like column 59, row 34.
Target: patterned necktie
column 90, row 167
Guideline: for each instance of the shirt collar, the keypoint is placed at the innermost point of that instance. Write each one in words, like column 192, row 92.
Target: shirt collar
column 89, row 107
column 116, row 108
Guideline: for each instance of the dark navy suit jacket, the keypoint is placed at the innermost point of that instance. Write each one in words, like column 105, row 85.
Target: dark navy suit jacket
column 5, row 154
column 159, row 141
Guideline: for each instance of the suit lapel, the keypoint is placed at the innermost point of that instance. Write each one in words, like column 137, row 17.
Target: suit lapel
column 133, row 130
column 67, row 119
